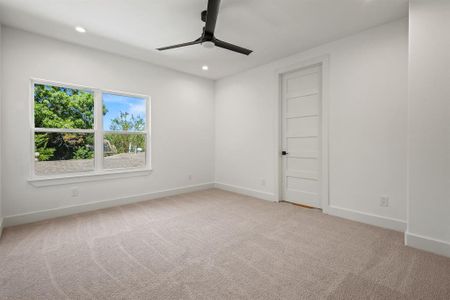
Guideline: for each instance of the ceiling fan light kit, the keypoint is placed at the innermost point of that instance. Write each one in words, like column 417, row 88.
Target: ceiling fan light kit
column 208, row 44
column 208, row 40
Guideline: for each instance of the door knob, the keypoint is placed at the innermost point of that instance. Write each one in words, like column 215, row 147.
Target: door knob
column 284, row 153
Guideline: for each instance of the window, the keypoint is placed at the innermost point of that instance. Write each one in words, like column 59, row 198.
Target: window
column 82, row 130
column 124, row 127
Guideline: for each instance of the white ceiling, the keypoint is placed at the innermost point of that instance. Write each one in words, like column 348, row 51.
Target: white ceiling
column 272, row 28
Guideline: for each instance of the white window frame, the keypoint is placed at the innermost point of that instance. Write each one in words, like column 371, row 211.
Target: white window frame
column 98, row 173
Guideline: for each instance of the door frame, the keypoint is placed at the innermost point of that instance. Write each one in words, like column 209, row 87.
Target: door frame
column 323, row 62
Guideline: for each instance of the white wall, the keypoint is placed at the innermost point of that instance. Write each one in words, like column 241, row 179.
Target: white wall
column 367, row 120
column 1, row 134
column 429, row 126
column 182, row 120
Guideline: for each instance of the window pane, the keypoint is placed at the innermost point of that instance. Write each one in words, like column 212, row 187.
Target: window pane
column 58, row 153
column 124, row 151
column 58, row 107
column 122, row 113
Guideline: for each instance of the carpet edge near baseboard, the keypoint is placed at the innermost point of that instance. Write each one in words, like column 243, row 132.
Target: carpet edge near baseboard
column 42, row 215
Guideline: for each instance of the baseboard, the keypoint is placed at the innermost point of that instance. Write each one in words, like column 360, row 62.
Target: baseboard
column 371, row 219
column 246, row 191
column 70, row 210
column 427, row 244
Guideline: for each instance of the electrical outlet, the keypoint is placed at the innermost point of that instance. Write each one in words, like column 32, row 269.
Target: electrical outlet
column 263, row 182
column 384, row 201
column 75, row 192
column 189, row 177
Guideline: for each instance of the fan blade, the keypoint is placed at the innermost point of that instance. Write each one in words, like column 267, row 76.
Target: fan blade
column 211, row 16
column 232, row 47
column 197, row 41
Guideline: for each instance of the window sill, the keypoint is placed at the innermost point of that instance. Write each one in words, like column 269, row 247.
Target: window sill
column 42, row 181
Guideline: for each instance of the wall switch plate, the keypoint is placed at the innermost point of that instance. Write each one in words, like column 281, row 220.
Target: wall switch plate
column 75, row 192
column 384, row 201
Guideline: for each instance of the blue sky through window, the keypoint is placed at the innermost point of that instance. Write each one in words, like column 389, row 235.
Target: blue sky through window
column 116, row 104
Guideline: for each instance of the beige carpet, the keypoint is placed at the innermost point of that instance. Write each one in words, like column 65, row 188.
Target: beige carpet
column 214, row 245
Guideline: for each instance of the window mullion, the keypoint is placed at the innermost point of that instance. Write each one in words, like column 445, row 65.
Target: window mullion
column 98, row 126
column 124, row 132
column 64, row 130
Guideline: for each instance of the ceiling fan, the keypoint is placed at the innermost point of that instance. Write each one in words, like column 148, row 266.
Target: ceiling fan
column 208, row 40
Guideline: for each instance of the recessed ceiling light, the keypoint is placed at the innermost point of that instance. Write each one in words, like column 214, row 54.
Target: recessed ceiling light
column 80, row 29
column 205, row 68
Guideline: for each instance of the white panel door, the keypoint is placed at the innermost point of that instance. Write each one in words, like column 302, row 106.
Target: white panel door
column 301, row 136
